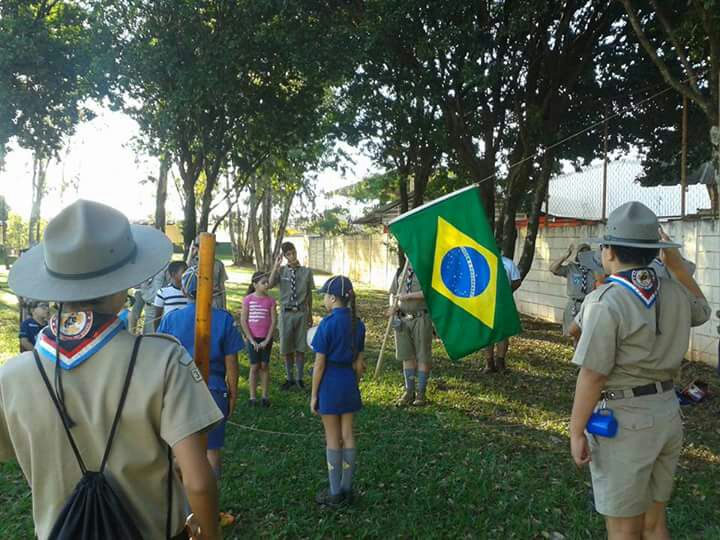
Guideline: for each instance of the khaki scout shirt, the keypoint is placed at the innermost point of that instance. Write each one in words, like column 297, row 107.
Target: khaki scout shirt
column 167, row 401
column 619, row 333
column 574, row 276
column 408, row 306
column 304, row 285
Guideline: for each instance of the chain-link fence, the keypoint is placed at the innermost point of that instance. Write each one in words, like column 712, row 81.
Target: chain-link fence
column 580, row 194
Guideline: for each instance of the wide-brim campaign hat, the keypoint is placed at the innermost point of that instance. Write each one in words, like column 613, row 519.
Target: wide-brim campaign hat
column 633, row 225
column 89, row 250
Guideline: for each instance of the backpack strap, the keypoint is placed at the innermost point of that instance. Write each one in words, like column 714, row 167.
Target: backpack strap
column 121, row 405
column 63, row 418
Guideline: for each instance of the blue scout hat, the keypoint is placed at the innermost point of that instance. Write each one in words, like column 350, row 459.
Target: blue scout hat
column 339, row 286
column 189, row 281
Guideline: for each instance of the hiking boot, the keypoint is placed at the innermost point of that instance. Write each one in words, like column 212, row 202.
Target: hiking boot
column 265, row 402
column 252, row 402
column 500, row 363
column 420, row 400
column 287, row 385
column 490, row 367
column 349, row 497
column 323, row 498
column 406, row 399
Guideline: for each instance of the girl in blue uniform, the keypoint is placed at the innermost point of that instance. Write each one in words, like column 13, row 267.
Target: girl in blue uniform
column 339, row 364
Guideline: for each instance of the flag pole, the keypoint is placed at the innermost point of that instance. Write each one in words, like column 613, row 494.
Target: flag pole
column 203, row 305
column 403, row 275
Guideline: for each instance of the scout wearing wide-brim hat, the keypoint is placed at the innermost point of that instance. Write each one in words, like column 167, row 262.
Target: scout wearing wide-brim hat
column 635, row 332
column 633, row 225
column 90, row 252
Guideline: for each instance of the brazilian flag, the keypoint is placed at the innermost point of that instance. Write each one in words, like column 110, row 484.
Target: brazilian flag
column 451, row 247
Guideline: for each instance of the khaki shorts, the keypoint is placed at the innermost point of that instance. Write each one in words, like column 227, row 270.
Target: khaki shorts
column 293, row 331
column 413, row 340
column 636, row 467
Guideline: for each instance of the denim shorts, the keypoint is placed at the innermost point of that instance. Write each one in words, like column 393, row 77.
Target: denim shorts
column 261, row 356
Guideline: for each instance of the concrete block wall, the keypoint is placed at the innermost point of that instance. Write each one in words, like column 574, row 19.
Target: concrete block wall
column 542, row 295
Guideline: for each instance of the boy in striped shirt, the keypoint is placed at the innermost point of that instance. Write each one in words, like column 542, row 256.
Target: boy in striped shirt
column 170, row 297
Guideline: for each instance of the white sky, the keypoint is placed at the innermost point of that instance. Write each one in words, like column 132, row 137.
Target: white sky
column 108, row 170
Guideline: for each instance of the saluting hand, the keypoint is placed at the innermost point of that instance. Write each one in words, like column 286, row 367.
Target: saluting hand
column 278, row 262
column 580, row 450
column 670, row 256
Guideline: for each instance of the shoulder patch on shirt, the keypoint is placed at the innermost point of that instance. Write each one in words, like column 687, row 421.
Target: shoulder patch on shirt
column 196, row 375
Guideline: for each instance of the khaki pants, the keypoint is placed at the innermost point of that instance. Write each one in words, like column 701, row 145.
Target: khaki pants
column 413, row 339
column 293, row 331
column 636, row 467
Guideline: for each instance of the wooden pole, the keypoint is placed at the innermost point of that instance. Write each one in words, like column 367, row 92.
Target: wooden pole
column 683, row 159
column 403, row 275
column 203, row 303
column 605, row 165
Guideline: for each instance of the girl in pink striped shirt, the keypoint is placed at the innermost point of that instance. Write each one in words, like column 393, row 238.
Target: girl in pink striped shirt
column 258, row 323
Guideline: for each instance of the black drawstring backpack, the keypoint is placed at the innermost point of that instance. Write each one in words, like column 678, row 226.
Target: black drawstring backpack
column 94, row 509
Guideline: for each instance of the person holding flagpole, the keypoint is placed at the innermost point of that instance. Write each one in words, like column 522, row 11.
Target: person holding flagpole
column 413, row 336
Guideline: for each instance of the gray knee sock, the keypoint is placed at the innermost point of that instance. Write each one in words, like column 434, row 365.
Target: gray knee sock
column 423, row 377
column 348, row 467
column 334, row 464
column 289, row 369
column 300, row 365
column 409, row 380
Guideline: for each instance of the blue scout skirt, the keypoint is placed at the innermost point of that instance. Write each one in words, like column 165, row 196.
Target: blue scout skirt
column 216, row 436
column 339, row 392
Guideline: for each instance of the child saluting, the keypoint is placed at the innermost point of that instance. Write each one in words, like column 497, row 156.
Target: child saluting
column 338, row 345
column 258, row 322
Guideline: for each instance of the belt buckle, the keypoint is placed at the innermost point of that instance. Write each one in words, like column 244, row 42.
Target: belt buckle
column 609, row 394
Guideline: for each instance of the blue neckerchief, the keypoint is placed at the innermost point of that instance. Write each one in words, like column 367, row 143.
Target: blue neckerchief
column 83, row 334
column 642, row 282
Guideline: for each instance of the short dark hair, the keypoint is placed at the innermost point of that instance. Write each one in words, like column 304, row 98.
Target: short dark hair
column 287, row 246
column 634, row 255
column 176, row 266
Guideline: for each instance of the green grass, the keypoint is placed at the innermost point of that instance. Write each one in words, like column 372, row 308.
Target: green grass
column 488, row 458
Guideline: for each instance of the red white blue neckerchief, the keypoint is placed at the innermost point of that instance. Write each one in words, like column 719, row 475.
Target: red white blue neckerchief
column 642, row 282
column 83, row 334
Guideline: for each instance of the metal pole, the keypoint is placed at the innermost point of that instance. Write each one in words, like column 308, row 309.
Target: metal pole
column 403, row 275
column 605, row 165
column 683, row 159
column 203, row 305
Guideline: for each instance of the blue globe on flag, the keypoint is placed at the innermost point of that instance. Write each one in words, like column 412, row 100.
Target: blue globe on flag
column 465, row 272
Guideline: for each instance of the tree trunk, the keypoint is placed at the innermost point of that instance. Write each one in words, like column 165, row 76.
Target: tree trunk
column 423, row 170
column 189, row 178
column 161, row 194
column 207, row 198
column 404, row 207
column 541, row 187
column 267, row 229
column 282, row 225
column 253, row 229
column 40, row 166
column 517, row 188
